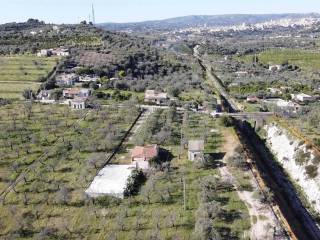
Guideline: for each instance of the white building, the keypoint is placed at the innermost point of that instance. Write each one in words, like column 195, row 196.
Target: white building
column 275, row 68
column 78, row 103
column 195, row 150
column 283, row 104
column 158, row 98
column 88, row 78
column 241, row 73
column 63, row 52
column 44, row 53
column 66, row 79
column 302, row 97
column 111, row 180
column 141, row 155
column 76, row 92
column 44, row 95
column 275, row 91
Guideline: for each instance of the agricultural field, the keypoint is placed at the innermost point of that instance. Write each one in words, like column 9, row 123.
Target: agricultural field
column 58, row 152
column 164, row 189
column 308, row 61
column 19, row 72
column 63, row 151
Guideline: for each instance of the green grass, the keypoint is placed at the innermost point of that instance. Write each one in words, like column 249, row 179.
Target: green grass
column 19, row 72
column 306, row 60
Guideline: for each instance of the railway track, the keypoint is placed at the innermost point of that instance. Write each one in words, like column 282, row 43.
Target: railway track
column 297, row 221
column 287, row 207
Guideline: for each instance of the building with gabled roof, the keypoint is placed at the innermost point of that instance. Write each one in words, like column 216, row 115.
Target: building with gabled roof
column 158, row 98
column 141, row 155
column 78, row 103
column 76, row 92
column 65, row 79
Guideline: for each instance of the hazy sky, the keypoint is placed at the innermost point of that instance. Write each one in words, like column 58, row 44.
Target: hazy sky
column 72, row 11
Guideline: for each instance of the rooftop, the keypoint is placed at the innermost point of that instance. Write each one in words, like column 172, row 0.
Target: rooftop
column 196, row 145
column 75, row 90
column 155, row 94
column 147, row 152
column 111, row 180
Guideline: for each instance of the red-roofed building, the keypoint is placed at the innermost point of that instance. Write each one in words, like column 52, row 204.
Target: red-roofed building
column 141, row 155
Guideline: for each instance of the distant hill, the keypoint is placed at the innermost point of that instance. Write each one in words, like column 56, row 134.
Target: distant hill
column 202, row 20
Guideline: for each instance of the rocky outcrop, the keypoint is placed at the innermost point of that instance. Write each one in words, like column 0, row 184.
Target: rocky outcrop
column 298, row 160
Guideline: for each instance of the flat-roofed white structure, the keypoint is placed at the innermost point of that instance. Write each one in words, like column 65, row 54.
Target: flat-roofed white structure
column 111, row 180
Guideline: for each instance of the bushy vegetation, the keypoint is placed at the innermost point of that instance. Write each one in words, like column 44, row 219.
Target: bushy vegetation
column 28, row 37
column 226, row 121
column 134, row 182
column 311, row 171
column 302, row 157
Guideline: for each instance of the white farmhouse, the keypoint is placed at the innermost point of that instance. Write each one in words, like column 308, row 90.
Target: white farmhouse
column 141, row 155
column 63, row 52
column 275, row 68
column 195, row 150
column 66, row 79
column 302, row 97
column 44, row 53
column 78, row 103
column 88, row 78
column 159, row 98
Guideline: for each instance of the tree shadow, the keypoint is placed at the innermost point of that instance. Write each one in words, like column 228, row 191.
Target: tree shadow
column 214, row 160
column 230, row 216
column 226, row 233
column 222, row 200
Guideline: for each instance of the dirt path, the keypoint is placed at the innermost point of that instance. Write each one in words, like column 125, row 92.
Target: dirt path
column 263, row 222
column 138, row 125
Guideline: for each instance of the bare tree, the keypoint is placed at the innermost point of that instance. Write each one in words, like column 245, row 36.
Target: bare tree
column 120, row 220
column 63, row 195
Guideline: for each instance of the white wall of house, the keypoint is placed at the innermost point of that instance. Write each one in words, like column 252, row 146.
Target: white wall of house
column 78, row 105
column 193, row 155
column 141, row 164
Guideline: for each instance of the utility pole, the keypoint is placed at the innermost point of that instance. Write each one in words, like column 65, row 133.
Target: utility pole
column 185, row 116
column 181, row 139
column 184, row 194
column 93, row 16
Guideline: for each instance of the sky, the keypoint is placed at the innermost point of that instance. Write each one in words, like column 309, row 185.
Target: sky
column 73, row 11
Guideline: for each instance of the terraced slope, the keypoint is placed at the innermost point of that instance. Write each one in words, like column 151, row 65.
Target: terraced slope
column 19, row 72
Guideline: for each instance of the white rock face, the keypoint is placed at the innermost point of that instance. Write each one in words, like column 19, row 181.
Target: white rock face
column 284, row 146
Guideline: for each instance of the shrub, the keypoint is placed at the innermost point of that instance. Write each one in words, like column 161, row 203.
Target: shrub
column 317, row 141
column 28, row 94
column 106, row 201
column 316, row 159
column 226, row 121
column 134, row 183
column 301, row 157
column 237, row 160
column 311, row 171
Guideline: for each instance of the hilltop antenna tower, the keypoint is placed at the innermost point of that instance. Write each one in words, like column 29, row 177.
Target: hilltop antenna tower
column 93, row 16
